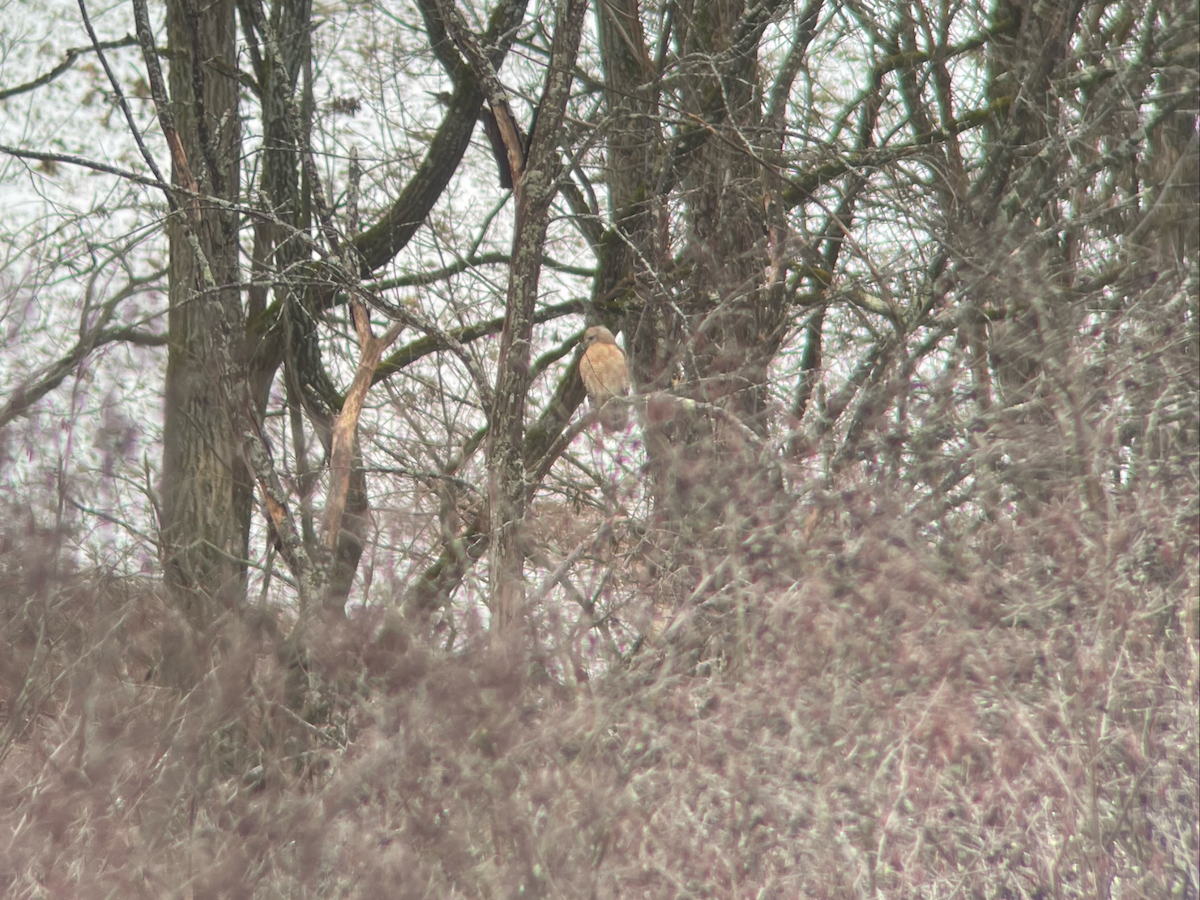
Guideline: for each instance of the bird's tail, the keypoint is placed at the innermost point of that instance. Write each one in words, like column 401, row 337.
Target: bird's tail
column 614, row 416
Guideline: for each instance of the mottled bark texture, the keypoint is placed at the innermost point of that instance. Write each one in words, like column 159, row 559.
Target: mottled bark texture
column 1027, row 279
column 712, row 333
column 220, row 348
column 625, row 292
column 538, row 183
column 206, row 492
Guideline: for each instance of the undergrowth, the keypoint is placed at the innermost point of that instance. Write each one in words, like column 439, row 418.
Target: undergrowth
column 1005, row 711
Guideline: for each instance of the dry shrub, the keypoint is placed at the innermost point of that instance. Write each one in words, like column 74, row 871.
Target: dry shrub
column 1005, row 712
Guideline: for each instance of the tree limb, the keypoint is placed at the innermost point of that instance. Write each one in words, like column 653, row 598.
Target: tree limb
column 68, row 61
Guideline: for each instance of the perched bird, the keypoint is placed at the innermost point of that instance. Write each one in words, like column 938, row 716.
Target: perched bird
column 602, row 368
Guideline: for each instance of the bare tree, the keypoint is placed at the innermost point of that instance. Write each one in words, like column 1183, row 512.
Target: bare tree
column 888, row 589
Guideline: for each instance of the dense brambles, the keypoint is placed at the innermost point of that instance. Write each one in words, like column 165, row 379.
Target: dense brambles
column 1011, row 713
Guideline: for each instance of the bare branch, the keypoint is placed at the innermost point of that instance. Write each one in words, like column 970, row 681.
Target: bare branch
column 345, row 426
column 68, row 61
column 41, row 383
column 134, row 131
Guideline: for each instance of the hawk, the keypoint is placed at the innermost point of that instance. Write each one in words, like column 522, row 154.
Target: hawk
column 602, row 368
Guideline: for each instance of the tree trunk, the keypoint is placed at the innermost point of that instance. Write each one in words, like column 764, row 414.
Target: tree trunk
column 536, row 188
column 712, row 341
column 1029, row 277
column 206, row 493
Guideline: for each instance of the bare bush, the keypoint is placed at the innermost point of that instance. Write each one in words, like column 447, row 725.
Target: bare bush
column 1011, row 713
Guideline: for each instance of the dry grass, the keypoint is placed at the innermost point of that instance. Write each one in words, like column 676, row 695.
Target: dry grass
column 1011, row 712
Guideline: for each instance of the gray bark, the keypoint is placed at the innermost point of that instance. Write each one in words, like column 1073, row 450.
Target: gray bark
column 206, row 492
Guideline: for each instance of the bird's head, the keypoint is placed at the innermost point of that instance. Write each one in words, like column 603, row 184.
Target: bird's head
column 597, row 334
